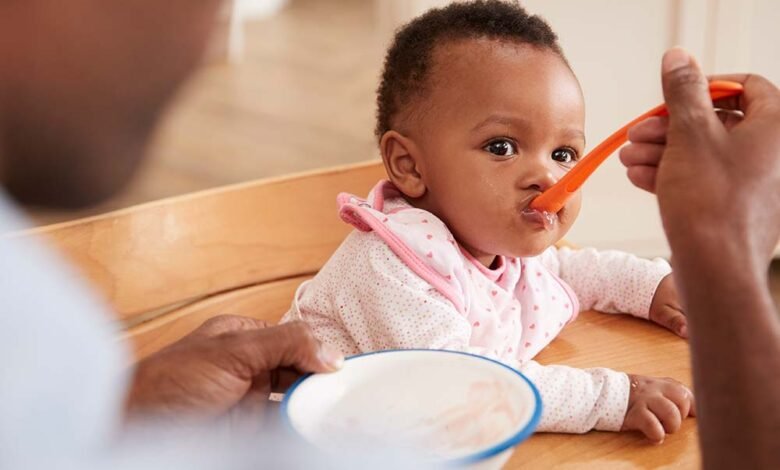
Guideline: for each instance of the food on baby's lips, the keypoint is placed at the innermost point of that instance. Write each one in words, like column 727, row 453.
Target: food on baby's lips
column 543, row 218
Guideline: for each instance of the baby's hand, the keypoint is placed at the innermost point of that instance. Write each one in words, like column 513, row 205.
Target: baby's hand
column 666, row 310
column 657, row 406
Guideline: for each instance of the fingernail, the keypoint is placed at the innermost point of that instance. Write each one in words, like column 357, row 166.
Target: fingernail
column 675, row 58
column 331, row 357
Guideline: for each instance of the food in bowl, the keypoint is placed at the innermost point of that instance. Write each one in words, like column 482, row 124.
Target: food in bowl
column 442, row 406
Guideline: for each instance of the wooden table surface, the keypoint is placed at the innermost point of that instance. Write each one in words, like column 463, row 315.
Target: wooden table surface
column 626, row 344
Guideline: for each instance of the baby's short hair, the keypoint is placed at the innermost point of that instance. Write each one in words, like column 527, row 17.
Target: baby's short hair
column 408, row 61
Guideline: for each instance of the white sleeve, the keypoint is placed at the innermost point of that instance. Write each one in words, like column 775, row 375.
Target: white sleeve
column 366, row 299
column 608, row 281
column 63, row 374
column 579, row 400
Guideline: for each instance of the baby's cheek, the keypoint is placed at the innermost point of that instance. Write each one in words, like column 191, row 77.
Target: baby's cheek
column 571, row 210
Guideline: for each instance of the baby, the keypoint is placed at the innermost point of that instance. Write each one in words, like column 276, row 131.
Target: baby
column 478, row 113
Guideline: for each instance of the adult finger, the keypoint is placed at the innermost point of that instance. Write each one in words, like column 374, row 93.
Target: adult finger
column 289, row 345
column 651, row 130
column 249, row 413
column 641, row 154
column 228, row 324
column 756, row 89
column 643, row 176
column 730, row 118
column 686, row 93
column 284, row 378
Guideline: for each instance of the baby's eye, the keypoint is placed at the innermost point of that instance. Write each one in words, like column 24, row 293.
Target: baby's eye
column 564, row 155
column 501, row 148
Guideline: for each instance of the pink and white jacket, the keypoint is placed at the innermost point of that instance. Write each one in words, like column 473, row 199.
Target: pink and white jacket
column 402, row 281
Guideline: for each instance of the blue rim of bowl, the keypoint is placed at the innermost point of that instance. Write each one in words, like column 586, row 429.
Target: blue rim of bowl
column 508, row 443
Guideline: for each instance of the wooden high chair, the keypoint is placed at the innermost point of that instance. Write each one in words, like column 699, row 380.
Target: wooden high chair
column 167, row 266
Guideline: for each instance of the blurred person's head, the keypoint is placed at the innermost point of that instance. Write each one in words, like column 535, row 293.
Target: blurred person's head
column 83, row 84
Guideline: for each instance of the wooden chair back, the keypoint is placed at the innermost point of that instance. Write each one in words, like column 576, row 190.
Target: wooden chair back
column 167, row 266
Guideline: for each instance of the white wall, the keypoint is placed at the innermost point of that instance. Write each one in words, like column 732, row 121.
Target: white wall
column 250, row 9
column 615, row 47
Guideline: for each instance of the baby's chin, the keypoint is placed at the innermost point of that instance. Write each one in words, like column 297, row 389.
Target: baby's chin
column 531, row 248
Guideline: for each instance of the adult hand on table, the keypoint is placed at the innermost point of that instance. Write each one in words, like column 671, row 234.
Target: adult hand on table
column 229, row 362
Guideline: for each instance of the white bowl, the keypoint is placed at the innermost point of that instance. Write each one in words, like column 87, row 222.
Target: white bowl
column 443, row 406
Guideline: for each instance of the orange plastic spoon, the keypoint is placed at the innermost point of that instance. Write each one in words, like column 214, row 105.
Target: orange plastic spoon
column 553, row 199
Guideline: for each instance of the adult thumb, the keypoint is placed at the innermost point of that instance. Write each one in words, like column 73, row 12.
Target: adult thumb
column 686, row 91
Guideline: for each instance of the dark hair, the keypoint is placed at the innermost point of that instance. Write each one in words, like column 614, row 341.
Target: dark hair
column 408, row 61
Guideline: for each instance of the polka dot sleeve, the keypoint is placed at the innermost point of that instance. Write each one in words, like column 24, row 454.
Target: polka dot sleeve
column 609, row 281
column 579, row 400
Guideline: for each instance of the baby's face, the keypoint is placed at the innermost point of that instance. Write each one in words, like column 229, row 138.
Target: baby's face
column 501, row 123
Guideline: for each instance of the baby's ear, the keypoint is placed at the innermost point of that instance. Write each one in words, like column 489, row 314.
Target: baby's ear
column 402, row 162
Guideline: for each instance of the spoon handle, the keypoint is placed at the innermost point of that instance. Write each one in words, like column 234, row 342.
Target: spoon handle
column 553, row 199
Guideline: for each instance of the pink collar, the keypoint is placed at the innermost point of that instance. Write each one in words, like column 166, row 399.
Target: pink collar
column 492, row 274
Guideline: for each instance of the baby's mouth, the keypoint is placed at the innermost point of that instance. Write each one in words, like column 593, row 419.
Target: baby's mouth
column 548, row 220
column 543, row 218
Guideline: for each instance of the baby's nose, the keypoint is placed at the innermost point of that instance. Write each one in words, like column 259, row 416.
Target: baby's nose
column 539, row 177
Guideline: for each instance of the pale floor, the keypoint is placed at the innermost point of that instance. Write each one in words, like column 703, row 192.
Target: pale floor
column 302, row 98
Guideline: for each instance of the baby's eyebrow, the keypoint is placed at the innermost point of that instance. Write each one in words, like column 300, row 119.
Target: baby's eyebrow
column 521, row 122
column 503, row 120
column 576, row 134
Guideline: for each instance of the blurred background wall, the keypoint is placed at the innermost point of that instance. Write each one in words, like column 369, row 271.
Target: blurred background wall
column 289, row 86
